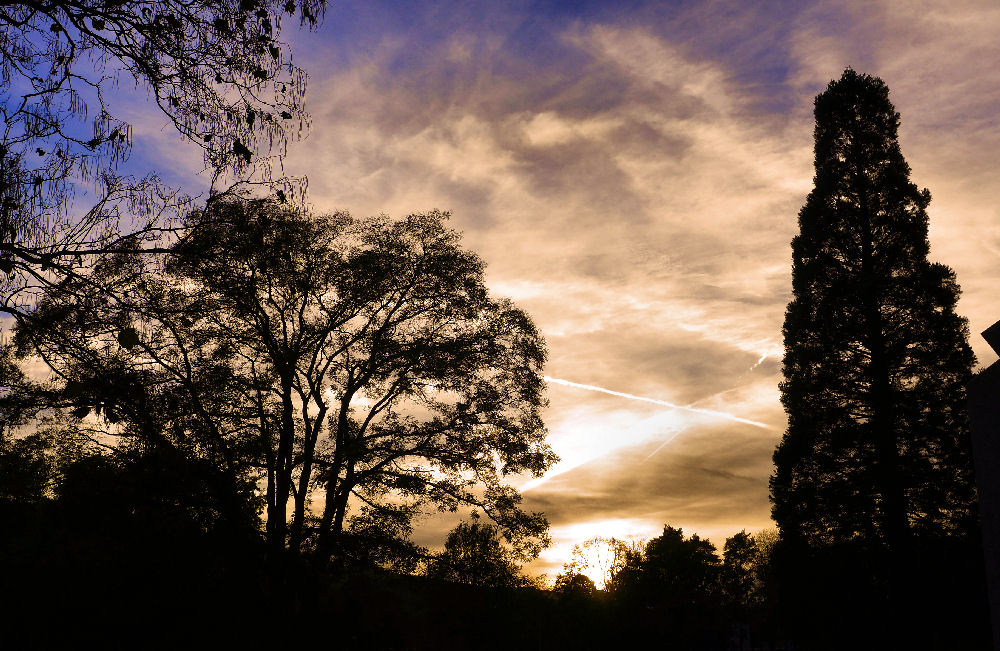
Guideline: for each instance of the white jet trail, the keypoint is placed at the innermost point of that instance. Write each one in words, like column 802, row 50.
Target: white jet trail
column 660, row 447
column 696, row 410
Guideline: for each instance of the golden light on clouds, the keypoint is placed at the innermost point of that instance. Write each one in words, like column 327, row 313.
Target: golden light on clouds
column 631, row 173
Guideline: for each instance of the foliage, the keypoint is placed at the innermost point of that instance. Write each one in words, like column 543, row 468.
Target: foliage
column 24, row 470
column 219, row 72
column 744, row 572
column 684, row 569
column 599, row 558
column 877, row 447
column 34, row 445
column 155, row 493
column 15, row 405
column 380, row 538
column 573, row 585
column 670, row 590
column 671, row 570
column 139, row 537
column 362, row 361
column 475, row 555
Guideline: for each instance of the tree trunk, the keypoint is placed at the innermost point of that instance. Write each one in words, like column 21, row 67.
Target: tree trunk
column 324, row 546
column 277, row 524
column 296, row 532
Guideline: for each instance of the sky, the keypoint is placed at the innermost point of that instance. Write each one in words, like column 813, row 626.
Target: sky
column 631, row 172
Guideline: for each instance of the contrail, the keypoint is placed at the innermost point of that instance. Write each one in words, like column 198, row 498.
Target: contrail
column 664, row 403
column 660, row 447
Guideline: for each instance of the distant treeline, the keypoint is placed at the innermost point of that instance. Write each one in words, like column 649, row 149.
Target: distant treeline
column 132, row 551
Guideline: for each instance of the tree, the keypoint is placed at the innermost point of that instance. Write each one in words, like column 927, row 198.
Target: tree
column 671, row 571
column 357, row 364
column 598, row 558
column 877, row 448
column 624, row 580
column 743, row 572
column 669, row 589
column 35, row 445
column 570, row 584
column 24, row 469
column 474, row 554
column 217, row 70
column 683, row 570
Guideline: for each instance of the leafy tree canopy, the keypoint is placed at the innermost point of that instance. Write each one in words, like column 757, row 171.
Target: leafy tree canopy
column 474, row 554
column 672, row 571
column 573, row 585
column 746, row 569
column 357, row 366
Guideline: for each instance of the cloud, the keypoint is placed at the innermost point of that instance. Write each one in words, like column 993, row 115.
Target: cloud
column 663, row 403
column 637, row 211
column 710, row 475
column 708, row 482
column 632, row 178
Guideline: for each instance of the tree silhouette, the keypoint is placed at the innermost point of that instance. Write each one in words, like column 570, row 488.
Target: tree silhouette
column 143, row 535
column 601, row 558
column 742, row 572
column 219, row 72
column 671, row 571
column 877, row 447
column 682, row 570
column 669, row 590
column 570, row 584
column 25, row 472
column 357, row 364
column 474, row 554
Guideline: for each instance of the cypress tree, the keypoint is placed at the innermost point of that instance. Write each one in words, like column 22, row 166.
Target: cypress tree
column 877, row 449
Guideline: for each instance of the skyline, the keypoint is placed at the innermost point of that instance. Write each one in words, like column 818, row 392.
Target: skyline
column 631, row 173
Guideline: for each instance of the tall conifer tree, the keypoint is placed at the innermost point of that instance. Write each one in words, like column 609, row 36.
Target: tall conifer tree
column 877, row 448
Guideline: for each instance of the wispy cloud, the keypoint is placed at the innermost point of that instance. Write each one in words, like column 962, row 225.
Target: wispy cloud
column 632, row 176
column 664, row 403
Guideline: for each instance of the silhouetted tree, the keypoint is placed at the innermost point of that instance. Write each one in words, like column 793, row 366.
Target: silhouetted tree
column 217, row 69
column 742, row 572
column 671, row 570
column 877, row 447
column 140, row 535
column 682, row 570
column 625, row 578
column 573, row 585
column 358, row 362
column 35, row 443
column 380, row 538
column 154, row 493
column 474, row 554
column 25, row 471
column 670, row 590
column 599, row 557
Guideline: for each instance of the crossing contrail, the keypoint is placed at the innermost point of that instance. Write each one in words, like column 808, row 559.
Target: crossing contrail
column 664, row 403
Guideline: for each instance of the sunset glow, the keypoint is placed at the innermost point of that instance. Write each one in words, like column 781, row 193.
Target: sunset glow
column 631, row 175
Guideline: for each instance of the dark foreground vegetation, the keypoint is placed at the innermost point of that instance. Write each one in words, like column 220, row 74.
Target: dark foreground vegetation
column 135, row 551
